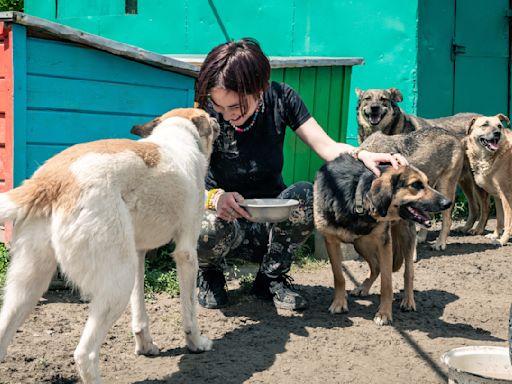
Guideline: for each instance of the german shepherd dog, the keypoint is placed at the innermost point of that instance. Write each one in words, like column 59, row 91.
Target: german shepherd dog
column 94, row 209
column 489, row 149
column 378, row 110
column 426, row 149
column 377, row 215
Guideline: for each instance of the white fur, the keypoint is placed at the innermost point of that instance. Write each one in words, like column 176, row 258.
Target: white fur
column 124, row 209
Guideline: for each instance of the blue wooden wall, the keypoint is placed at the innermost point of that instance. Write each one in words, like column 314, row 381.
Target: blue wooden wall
column 68, row 94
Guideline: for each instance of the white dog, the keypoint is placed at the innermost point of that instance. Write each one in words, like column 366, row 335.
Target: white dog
column 95, row 209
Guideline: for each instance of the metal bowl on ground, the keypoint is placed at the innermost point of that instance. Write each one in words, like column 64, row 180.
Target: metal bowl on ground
column 269, row 210
column 478, row 365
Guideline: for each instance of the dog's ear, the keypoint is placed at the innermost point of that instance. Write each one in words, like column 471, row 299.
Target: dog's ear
column 380, row 195
column 202, row 124
column 359, row 92
column 503, row 118
column 396, row 95
column 470, row 126
column 144, row 130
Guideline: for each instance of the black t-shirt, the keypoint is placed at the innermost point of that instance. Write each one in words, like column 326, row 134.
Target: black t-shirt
column 251, row 162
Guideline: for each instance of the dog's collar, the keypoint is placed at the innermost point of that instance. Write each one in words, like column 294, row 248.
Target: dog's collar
column 359, row 198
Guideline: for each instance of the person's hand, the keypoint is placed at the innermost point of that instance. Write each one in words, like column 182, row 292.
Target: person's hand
column 228, row 207
column 372, row 159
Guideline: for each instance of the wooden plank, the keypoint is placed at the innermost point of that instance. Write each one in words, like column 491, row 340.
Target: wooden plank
column 292, row 78
column 100, row 97
column 38, row 154
column 335, row 103
column 19, row 55
column 302, row 151
column 49, row 57
column 6, row 112
column 68, row 127
column 53, row 30
column 345, row 97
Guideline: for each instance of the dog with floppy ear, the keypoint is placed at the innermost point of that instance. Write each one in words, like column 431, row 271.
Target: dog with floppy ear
column 488, row 145
column 377, row 215
column 94, row 210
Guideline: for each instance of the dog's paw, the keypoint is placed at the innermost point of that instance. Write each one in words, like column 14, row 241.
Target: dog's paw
column 359, row 291
column 338, row 306
column 383, row 319
column 500, row 242
column 149, row 349
column 408, row 305
column 438, row 246
column 199, row 344
column 492, row 236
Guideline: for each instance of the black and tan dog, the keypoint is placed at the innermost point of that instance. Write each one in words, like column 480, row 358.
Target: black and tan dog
column 377, row 215
column 378, row 110
column 435, row 151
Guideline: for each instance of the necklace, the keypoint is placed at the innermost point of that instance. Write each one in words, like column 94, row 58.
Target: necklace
column 261, row 107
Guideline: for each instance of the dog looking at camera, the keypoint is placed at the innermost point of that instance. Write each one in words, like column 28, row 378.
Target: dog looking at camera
column 488, row 145
column 95, row 209
column 377, row 215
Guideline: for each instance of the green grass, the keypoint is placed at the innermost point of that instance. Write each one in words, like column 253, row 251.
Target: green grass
column 160, row 273
column 11, row 5
column 4, row 259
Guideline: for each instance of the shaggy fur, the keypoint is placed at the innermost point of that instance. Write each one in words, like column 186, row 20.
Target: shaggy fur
column 378, row 110
column 489, row 149
column 383, row 232
column 435, row 151
column 94, row 210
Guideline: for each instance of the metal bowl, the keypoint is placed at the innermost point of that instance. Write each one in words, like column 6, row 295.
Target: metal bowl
column 479, row 364
column 269, row 210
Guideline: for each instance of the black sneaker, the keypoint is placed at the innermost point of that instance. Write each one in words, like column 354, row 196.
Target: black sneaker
column 212, row 288
column 280, row 290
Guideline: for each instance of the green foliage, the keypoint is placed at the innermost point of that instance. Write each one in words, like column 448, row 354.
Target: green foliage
column 160, row 273
column 11, row 5
column 4, row 259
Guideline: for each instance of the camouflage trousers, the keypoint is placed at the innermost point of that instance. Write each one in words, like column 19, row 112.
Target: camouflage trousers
column 272, row 244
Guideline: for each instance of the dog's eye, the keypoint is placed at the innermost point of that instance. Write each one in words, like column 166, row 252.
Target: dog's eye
column 384, row 99
column 500, row 126
column 418, row 185
column 368, row 98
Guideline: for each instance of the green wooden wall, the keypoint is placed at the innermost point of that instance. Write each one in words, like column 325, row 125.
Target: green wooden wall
column 385, row 34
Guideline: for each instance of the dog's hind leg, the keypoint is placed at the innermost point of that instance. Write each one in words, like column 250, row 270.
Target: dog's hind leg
column 185, row 256
column 339, row 303
column 404, row 247
column 140, row 322
column 368, row 250
column 30, row 271
column 499, row 220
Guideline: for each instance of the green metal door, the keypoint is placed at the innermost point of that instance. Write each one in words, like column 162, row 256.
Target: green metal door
column 480, row 51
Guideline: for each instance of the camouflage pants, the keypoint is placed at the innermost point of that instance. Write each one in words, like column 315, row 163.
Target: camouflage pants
column 272, row 244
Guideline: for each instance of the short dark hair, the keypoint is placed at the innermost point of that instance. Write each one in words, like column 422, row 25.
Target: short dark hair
column 239, row 66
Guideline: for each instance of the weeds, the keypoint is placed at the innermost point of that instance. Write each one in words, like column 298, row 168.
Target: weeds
column 4, row 260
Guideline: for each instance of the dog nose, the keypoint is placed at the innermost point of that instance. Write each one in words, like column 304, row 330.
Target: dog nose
column 497, row 134
column 375, row 108
column 445, row 204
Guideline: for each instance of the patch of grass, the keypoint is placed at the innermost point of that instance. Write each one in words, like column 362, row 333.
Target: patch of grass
column 306, row 259
column 11, row 5
column 160, row 272
column 4, row 261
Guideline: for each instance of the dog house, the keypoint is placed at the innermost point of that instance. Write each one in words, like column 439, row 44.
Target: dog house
column 60, row 86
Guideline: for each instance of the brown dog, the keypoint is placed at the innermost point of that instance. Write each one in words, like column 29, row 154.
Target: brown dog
column 377, row 215
column 488, row 146
column 378, row 110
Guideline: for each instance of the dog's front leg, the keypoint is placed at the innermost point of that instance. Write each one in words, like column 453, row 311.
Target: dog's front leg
column 507, row 218
column 339, row 303
column 140, row 322
column 384, row 315
column 187, row 266
column 499, row 220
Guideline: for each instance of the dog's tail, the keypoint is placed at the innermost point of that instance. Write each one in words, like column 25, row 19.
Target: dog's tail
column 9, row 210
column 404, row 242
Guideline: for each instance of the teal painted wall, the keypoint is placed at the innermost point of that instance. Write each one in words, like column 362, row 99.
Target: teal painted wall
column 385, row 34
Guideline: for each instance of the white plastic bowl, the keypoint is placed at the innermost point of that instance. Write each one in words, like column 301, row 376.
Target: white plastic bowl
column 480, row 364
column 269, row 210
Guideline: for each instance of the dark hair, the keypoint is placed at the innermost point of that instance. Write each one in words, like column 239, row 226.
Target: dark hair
column 239, row 66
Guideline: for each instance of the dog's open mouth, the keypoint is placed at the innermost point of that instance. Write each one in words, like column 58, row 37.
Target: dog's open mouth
column 492, row 144
column 417, row 215
column 375, row 117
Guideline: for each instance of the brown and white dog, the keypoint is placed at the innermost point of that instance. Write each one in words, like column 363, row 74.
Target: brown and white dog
column 94, row 210
column 488, row 146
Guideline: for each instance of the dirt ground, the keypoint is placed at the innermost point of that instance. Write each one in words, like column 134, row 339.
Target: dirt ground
column 463, row 296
